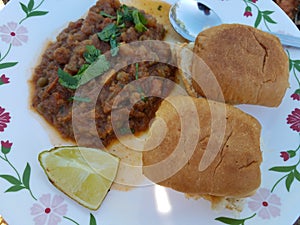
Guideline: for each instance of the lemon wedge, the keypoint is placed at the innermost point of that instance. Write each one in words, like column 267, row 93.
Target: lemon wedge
column 84, row 174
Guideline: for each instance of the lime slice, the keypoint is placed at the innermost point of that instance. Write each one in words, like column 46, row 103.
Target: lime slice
column 84, row 174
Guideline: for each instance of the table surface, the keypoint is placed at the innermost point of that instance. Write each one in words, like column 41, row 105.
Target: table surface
column 3, row 2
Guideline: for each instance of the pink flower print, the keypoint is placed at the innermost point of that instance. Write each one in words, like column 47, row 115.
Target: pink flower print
column 4, row 119
column 13, row 34
column 6, row 144
column 265, row 203
column 285, row 156
column 294, row 120
column 296, row 95
column 254, row 1
column 4, row 79
column 248, row 11
column 5, row 147
column 49, row 211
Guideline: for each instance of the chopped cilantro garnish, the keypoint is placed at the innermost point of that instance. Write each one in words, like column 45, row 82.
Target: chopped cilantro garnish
column 97, row 68
column 114, row 47
column 104, row 14
column 139, row 89
column 136, row 71
column 80, row 99
column 83, row 68
column 96, row 64
column 109, row 34
column 139, row 21
column 126, row 13
column 141, row 92
column 91, row 54
column 124, row 130
column 67, row 80
column 113, row 30
column 132, row 15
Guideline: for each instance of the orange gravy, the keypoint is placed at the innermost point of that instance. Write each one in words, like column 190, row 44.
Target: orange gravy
column 130, row 173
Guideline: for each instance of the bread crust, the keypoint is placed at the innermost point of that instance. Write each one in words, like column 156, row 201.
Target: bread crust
column 250, row 65
column 234, row 172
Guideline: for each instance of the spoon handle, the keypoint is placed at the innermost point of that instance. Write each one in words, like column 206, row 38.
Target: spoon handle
column 288, row 40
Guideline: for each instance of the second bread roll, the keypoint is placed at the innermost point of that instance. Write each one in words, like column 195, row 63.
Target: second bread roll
column 250, row 65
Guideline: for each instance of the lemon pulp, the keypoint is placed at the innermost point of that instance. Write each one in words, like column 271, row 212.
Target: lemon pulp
column 84, row 174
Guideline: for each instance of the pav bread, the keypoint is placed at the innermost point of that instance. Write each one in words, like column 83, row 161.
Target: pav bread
column 179, row 138
column 250, row 65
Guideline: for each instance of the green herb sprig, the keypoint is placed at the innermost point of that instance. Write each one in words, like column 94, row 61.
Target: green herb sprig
column 96, row 64
column 110, row 34
column 139, row 21
column 140, row 89
column 113, row 30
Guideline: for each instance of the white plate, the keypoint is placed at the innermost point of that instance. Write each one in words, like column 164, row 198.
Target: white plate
column 140, row 205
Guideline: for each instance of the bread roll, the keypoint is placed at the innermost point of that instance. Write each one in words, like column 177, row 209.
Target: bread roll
column 179, row 140
column 250, row 66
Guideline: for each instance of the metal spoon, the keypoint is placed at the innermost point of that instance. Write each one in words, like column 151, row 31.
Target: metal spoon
column 190, row 17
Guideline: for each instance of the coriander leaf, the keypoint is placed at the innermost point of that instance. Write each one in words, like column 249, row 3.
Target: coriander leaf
column 119, row 17
column 86, row 73
column 96, row 69
column 108, row 31
column 67, row 80
column 91, row 54
column 109, row 34
column 142, row 18
column 127, row 15
column 139, row 21
column 80, row 99
column 83, row 68
column 136, row 71
column 104, row 14
column 114, row 47
column 114, row 51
